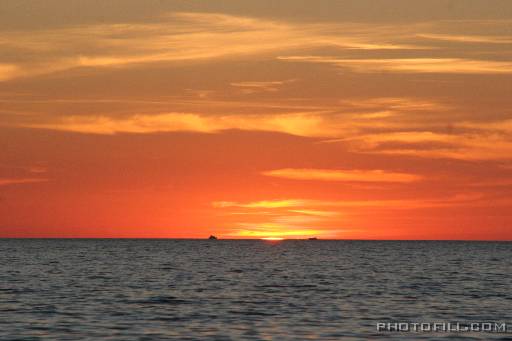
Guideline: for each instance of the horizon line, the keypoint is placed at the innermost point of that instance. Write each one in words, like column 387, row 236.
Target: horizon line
column 264, row 240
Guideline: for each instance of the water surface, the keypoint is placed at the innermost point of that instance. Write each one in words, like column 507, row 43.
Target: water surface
column 248, row 290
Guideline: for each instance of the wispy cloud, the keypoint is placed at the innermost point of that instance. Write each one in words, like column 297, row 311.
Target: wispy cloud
column 262, row 204
column 395, row 104
column 497, row 126
column 484, row 145
column 182, row 37
column 342, row 175
column 8, row 71
column 250, row 87
column 17, row 181
column 467, row 38
column 302, row 124
column 176, row 37
column 318, row 213
column 312, row 217
column 398, row 128
column 340, row 119
column 393, row 204
column 411, row 65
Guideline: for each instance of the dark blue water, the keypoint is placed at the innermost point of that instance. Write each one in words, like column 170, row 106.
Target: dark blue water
column 248, row 290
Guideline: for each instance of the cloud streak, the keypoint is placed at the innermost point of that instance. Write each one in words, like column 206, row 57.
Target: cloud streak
column 411, row 65
column 17, row 181
column 484, row 145
column 340, row 119
column 467, row 38
column 393, row 204
column 176, row 37
column 399, row 128
column 294, row 217
column 302, row 124
column 250, row 87
column 342, row 175
column 8, row 71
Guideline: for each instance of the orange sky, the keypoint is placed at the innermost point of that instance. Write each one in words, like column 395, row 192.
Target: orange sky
column 336, row 119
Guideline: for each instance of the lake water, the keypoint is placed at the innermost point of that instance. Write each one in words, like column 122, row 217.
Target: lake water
column 249, row 290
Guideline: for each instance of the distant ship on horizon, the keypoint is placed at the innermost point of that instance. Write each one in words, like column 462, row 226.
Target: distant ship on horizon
column 313, row 238
column 212, row 237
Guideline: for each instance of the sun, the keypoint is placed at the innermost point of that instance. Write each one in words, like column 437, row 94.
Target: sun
column 272, row 238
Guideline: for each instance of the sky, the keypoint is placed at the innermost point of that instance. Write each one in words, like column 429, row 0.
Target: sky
column 349, row 119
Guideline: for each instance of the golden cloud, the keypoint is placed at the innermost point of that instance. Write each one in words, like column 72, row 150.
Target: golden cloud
column 486, row 145
column 249, row 87
column 302, row 124
column 16, row 181
column 176, row 37
column 342, row 175
column 488, row 39
column 400, row 204
column 397, row 124
column 8, row 71
column 292, row 217
column 411, row 65
column 345, row 118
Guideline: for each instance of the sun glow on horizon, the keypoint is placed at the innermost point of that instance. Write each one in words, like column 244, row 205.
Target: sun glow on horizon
column 272, row 239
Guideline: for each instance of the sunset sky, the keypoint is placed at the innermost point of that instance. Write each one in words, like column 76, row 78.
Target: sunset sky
column 363, row 119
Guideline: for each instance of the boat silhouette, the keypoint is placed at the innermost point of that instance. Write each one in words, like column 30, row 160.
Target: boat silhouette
column 212, row 237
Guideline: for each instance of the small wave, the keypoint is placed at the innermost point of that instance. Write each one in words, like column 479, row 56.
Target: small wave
column 277, row 286
column 251, row 313
column 171, row 300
